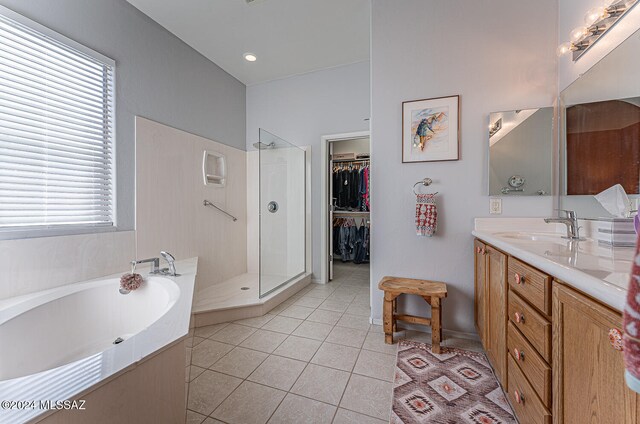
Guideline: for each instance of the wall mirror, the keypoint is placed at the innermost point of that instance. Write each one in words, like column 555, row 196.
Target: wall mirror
column 600, row 131
column 521, row 152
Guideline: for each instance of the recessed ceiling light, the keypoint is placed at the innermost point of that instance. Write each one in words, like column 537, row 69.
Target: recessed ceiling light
column 250, row 57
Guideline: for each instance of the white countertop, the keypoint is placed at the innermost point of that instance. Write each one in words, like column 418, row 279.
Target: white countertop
column 601, row 272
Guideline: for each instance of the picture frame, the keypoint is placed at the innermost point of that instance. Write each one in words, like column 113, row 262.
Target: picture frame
column 431, row 129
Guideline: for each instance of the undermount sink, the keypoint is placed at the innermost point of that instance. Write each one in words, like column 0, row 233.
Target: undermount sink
column 515, row 235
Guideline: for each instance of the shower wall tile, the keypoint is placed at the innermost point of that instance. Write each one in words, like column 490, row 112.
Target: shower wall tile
column 35, row 264
column 169, row 194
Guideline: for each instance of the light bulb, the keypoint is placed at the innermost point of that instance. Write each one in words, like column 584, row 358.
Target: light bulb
column 578, row 33
column 564, row 48
column 594, row 15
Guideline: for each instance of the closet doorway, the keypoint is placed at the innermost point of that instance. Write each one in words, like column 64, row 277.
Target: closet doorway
column 347, row 207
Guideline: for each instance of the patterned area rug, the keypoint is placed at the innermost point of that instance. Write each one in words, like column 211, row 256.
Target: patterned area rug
column 456, row 386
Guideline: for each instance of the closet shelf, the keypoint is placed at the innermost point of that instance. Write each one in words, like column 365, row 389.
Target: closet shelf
column 351, row 213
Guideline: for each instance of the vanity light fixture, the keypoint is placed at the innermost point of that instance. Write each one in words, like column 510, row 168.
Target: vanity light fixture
column 598, row 21
column 250, row 57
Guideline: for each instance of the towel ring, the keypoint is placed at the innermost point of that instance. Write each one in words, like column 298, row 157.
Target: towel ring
column 425, row 182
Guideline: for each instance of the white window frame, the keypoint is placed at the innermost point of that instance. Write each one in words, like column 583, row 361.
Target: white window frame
column 63, row 230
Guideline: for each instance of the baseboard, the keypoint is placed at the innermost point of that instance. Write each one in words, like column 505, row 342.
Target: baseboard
column 427, row 330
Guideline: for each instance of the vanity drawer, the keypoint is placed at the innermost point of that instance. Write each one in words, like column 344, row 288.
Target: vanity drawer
column 535, row 369
column 535, row 327
column 531, row 284
column 526, row 404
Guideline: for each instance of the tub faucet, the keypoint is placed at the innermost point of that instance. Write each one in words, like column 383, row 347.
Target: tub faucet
column 155, row 264
column 171, row 261
column 570, row 220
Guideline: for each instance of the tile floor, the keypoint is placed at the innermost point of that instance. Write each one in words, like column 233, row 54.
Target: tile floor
column 313, row 359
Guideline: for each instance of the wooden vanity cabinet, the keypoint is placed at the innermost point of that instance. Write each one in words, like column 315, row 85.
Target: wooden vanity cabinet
column 491, row 305
column 549, row 345
column 588, row 373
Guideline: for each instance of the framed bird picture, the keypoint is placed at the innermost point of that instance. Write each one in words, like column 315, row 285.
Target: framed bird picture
column 431, row 129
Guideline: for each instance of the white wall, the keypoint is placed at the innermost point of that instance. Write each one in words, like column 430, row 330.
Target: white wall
column 302, row 109
column 496, row 54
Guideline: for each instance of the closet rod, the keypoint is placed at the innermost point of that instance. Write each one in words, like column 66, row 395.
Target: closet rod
column 350, row 160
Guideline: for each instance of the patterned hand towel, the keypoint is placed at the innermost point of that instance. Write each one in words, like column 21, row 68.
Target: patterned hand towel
column 631, row 339
column 426, row 215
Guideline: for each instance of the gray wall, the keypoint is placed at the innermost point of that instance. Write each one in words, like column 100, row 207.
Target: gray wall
column 157, row 76
column 499, row 55
column 302, row 109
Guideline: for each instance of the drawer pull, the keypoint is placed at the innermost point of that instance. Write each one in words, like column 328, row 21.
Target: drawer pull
column 519, row 278
column 519, row 317
column 518, row 354
column 519, row 397
column 615, row 338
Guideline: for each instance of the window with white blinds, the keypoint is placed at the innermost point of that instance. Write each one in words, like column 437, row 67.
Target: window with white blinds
column 56, row 130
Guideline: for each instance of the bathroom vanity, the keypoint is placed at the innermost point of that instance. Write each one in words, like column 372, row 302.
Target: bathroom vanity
column 548, row 312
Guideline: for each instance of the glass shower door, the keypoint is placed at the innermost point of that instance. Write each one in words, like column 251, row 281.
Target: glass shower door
column 282, row 212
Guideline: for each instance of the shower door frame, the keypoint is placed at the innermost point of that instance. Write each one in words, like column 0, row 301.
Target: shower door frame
column 325, row 204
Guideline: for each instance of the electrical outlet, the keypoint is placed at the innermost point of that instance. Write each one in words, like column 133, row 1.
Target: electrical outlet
column 495, row 206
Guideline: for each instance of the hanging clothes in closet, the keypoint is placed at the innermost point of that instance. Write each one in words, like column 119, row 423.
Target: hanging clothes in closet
column 351, row 186
column 351, row 240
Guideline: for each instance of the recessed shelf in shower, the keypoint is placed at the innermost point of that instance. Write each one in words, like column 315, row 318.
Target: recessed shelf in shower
column 214, row 169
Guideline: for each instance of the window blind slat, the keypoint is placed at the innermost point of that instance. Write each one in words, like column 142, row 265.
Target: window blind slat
column 56, row 132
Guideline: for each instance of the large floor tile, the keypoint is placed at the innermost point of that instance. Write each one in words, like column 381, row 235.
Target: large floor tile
column 336, row 356
column 375, row 342
column 313, row 330
column 308, row 301
column 264, row 341
column 240, row 362
column 326, row 317
column 356, row 309
column 194, row 371
column 194, row 341
column 208, row 353
column 209, row 330
column 295, row 311
column 250, row 403
column 347, row 336
column 208, row 391
column 375, row 364
column 233, row 334
column 194, row 417
column 368, row 396
column 297, row 410
column 300, row 348
column 354, row 321
column 282, row 324
column 256, row 322
column 278, row 372
column 321, row 383
column 334, row 305
column 466, row 344
column 344, row 416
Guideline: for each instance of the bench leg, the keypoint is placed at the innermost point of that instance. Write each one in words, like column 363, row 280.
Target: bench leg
column 436, row 325
column 388, row 317
column 395, row 312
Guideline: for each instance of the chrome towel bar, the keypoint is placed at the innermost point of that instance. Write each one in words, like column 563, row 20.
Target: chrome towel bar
column 208, row 203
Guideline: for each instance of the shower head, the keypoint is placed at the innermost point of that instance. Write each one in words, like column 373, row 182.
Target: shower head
column 262, row 146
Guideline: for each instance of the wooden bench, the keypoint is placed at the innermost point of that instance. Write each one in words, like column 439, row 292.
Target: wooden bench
column 431, row 291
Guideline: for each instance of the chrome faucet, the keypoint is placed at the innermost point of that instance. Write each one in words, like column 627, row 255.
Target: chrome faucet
column 171, row 261
column 155, row 264
column 570, row 220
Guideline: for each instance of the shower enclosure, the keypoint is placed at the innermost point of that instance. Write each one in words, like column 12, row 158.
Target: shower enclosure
column 282, row 212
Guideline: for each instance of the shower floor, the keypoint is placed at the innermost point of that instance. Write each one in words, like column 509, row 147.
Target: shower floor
column 230, row 296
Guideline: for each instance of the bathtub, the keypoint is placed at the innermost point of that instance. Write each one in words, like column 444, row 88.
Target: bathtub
column 57, row 343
